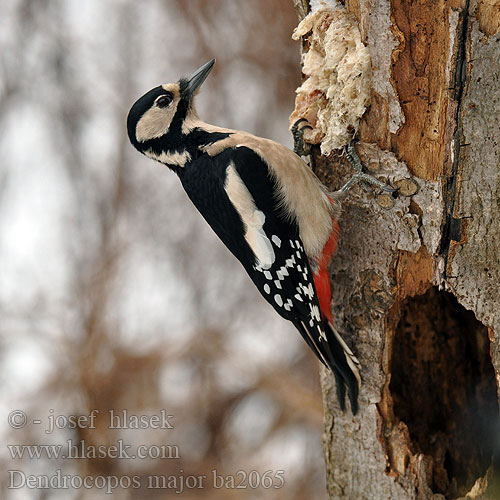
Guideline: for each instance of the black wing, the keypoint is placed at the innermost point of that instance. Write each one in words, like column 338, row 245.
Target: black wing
column 288, row 284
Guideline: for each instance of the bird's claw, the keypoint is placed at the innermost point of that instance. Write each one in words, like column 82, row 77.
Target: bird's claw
column 359, row 175
column 300, row 147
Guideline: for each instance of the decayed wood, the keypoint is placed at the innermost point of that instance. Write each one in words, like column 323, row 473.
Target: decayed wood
column 417, row 279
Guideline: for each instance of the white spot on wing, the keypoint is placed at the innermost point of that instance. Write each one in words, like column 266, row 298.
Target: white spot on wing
column 267, row 288
column 276, row 240
column 278, row 299
column 268, row 275
column 308, row 290
column 322, row 333
column 278, row 284
column 315, row 312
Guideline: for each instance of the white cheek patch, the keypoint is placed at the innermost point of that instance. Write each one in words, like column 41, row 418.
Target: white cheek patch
column 176, row 158
column 155, row 122
column 253, row 219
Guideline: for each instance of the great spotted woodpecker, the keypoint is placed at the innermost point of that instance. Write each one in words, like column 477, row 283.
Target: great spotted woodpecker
column 264, row 203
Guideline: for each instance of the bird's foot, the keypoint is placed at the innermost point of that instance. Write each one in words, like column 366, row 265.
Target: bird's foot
column 300, row 147
column 359, row 175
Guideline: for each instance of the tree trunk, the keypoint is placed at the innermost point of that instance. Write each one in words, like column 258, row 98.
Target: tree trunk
column 416, row 281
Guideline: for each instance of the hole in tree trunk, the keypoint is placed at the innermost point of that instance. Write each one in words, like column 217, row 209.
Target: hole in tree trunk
column 443, row 388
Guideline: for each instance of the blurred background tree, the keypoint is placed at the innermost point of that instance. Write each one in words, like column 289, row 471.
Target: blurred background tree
column 114, row 293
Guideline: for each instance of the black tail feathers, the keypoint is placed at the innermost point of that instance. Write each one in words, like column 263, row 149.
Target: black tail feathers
column 344, row 365
column 336, row 355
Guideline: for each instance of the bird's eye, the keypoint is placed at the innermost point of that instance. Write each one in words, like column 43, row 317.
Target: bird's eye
column 163, row 101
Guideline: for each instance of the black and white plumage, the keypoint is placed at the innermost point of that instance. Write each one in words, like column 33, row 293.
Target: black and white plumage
column 263, row 202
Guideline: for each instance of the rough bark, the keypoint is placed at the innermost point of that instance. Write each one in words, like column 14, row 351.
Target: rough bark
column 417, row 278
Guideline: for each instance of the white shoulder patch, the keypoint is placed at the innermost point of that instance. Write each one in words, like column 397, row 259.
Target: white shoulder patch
column 253, row 219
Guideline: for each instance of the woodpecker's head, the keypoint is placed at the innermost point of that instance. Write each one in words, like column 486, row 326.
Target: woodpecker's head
column 156, row 120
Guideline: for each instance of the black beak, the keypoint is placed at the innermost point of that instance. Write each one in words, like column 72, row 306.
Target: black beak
column 195, row 79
